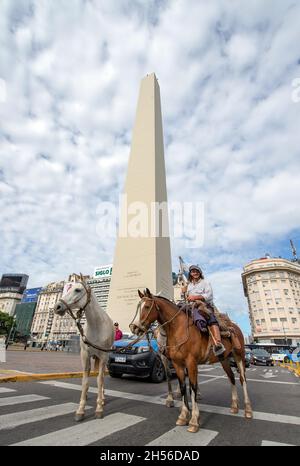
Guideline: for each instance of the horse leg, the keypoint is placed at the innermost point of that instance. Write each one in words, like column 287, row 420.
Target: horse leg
column 183, row 418
column 86, row 364
column 234, row 395
column 193, row 379
column 170, row 397
column 241, row 366
column 100, row 382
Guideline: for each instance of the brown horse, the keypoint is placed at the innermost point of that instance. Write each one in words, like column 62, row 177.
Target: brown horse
column 187, row 347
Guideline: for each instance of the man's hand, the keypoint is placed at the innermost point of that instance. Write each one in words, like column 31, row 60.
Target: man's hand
column 196, row 298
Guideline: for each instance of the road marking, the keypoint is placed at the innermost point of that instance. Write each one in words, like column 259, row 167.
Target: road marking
column 9, row 421
column 180, row 437
column 15, row 400
column 209, row 380
column 85, row 433
column 258, row 415
column 252, row 380
column 268, row 443
column 6, row 390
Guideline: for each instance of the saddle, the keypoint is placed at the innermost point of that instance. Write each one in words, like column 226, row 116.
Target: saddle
column 200, row 312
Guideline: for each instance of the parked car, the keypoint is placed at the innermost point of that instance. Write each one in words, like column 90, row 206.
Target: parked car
column 137, row 359
column 280, row 356
column 248, row 359
column 261, row 356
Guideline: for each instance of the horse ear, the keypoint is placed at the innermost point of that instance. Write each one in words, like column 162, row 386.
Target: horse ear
column 148, row 293
column 140, row 294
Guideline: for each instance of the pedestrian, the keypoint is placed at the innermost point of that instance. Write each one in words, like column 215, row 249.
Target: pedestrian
column 118, row 332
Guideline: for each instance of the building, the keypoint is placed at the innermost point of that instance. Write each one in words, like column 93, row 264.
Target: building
column 272, row 287
column 100, row 284
column 12, row 287
column 24, row 311
column 43, row 320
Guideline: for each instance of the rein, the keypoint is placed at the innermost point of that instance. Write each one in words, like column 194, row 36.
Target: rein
column 78, row 317
column 161, row 326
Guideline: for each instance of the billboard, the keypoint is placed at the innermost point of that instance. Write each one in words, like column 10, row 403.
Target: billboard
column 103, row 271
column 13, row 282
column 31, row 295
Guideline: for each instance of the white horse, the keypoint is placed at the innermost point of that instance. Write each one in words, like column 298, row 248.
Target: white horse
column 97, row 336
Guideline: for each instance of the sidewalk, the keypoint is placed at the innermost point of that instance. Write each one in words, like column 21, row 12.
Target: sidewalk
column 39, row 362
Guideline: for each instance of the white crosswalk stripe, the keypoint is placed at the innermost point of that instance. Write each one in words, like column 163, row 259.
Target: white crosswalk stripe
column 85, row 433
column 15, row 400
column 180, row 437
column 268, row 443
column 9, row 421
column 6, row 390
column 279, row 418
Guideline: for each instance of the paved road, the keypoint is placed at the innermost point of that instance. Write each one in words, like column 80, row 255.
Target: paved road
column 41, row 413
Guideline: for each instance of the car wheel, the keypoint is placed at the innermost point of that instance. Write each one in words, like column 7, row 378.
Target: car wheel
column 158, row 371
column 115, row 375
column 286, row 359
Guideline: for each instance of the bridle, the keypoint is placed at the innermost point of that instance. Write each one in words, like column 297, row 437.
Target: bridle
column 160, row 326
column 79, row 314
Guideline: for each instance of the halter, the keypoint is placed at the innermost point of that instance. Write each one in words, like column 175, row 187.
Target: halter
column 79, row 314
column 145, row 330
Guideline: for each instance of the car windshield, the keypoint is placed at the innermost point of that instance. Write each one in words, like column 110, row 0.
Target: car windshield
column 260, row 352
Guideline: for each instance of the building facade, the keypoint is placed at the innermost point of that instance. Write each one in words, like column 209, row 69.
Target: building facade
column 12, row 287
column 272, row 287
column 43, row 320
column 100, row 284
column 8, row 301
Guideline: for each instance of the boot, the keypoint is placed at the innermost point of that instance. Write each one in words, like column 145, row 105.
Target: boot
column 219, row 348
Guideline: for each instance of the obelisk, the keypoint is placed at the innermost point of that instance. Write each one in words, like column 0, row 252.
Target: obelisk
column 142, row 254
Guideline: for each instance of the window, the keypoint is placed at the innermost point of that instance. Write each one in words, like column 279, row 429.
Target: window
column 294, row 320
column 283, row 319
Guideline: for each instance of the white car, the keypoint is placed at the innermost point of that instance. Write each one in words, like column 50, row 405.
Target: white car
column 279, row 357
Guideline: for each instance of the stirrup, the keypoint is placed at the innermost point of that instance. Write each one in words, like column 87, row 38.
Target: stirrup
column 219, row 349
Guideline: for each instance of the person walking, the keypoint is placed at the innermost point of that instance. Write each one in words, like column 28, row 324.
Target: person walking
column 118, row 332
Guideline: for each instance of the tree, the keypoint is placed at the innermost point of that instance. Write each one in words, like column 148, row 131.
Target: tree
column 6, row 323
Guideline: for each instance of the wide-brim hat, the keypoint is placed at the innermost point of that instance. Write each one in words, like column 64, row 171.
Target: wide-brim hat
column 195, row 267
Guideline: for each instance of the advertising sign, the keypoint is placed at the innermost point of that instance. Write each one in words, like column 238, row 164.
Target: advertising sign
column 31, row 295
column 103, row 271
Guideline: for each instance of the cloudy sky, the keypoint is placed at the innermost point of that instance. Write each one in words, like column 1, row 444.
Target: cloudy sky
column 70, row 72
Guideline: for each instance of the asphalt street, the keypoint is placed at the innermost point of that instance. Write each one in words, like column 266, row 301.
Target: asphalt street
column 42, row 413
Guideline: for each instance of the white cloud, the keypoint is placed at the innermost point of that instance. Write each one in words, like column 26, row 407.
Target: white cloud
column 231, row 128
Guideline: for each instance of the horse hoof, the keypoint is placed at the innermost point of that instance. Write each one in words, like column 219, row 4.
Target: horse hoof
column 193, row 428
column 248, row 415
column 98, row 415
column 182, row 422
column 170, row 404
column 234, row 410
column 79, row 417
column 177, row 396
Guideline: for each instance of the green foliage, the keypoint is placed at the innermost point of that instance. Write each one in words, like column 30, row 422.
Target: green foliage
column 6, row 322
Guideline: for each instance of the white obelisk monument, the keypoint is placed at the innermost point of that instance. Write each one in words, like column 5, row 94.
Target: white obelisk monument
column 142, row 253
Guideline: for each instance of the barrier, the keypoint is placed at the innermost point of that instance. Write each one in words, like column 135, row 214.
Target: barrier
column 291, row 366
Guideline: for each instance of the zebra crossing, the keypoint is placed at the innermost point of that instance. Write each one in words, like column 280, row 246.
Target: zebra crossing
column 93, row 430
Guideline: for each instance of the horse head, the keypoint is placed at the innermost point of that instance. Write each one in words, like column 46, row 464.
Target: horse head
column 147, row 313
column 76, row 297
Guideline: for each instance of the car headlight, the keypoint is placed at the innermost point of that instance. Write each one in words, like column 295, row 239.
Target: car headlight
column 143, row 349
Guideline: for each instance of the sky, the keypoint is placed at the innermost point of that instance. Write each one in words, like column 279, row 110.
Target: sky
column 229, row 76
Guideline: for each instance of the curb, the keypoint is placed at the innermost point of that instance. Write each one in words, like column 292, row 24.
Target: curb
column 53, row 376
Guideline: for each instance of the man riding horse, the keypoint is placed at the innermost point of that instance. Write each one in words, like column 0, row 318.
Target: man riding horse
column 199, row 289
